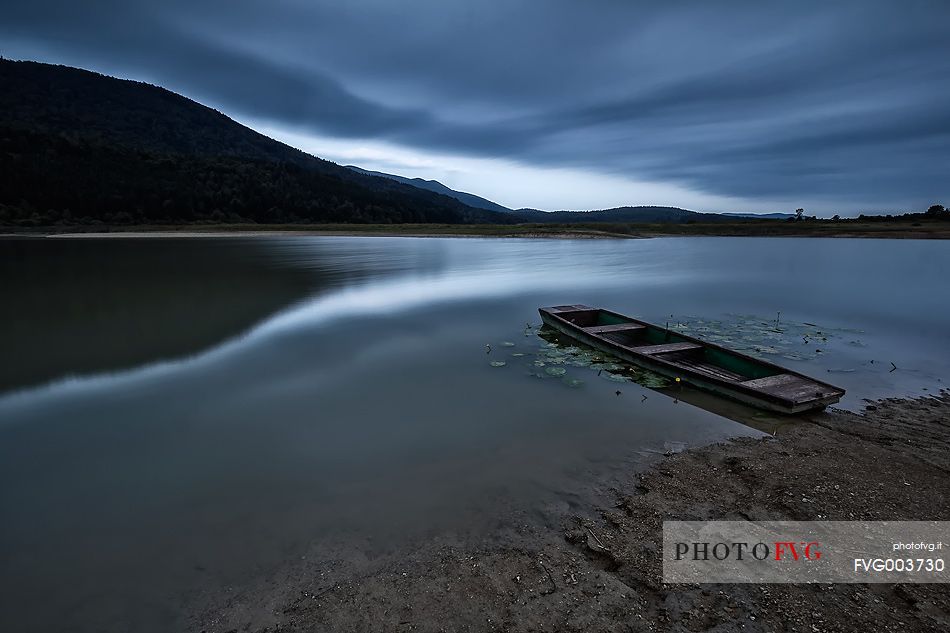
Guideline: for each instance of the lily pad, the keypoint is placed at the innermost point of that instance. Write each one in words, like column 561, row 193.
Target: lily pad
column 555, row 371
column 651, row 380
column 498, row 363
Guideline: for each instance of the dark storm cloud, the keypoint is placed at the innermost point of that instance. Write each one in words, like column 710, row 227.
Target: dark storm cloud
column 841, row 101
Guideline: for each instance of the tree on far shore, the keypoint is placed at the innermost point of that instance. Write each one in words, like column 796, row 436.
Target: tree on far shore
column 936, row 210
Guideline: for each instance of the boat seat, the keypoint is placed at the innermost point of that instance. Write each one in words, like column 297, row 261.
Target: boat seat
column 617, row 327
column 666, row 348
column 574, row 308
column 790, row 387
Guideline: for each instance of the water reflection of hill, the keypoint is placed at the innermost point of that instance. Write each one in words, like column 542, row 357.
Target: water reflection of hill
column 81, row 306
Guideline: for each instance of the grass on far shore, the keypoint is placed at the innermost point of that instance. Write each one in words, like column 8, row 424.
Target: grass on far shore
column 933, row 229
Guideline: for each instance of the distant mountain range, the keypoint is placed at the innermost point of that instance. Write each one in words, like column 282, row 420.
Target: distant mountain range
column 638, row 214
column 437, row 187
column 642, row 214
column 78, row 147
column 771, row 216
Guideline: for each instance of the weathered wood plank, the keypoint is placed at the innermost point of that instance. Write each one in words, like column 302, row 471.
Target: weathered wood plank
column 790, row 387
column 618, row 327
column 771, row 381
column 571, row 308
column 665, row 348
column 708, row 369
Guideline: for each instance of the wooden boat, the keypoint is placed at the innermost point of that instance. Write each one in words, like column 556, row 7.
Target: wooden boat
column 701, row 364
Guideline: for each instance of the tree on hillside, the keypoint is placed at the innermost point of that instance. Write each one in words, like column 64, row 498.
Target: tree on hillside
column 799, row 215
column 936, row 210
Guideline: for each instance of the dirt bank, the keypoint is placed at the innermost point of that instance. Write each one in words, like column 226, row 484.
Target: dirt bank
column 602, row 572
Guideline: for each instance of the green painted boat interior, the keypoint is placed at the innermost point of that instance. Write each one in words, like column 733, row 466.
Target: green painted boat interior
column 747, row 368
column 739, row 367
column 590, row 318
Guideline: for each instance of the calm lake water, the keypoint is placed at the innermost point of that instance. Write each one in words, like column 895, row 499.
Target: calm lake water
column 188, row 413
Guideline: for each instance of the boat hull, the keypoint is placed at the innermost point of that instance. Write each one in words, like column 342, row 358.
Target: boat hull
column 737, row 391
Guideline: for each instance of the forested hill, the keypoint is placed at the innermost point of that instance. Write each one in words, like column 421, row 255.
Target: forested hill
column 79, row 147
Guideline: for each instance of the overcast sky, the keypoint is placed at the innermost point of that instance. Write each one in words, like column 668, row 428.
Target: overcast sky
column 722, row 106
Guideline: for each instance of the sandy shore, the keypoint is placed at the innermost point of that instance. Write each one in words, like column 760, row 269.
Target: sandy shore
column 600, row 570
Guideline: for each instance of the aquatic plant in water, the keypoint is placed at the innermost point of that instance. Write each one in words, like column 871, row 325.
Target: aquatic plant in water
column 553, row 359
column 763, row 337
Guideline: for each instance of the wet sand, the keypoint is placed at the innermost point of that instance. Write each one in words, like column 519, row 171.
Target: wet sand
column 598, row 568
